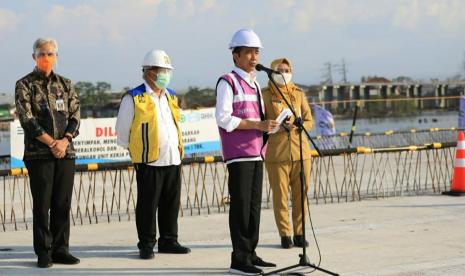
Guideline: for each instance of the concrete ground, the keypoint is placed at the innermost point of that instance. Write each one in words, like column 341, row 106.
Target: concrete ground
column 412, row 236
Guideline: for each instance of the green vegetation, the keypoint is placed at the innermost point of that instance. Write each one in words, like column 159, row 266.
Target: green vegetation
column 197, row 98
column 98, row 96
column 5, row 112
column 97, row 100
column 93, row 95
column 403, row 108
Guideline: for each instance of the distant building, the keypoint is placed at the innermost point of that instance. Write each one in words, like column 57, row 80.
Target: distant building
column 109, row 110
column 376, row 79
column 341, row 98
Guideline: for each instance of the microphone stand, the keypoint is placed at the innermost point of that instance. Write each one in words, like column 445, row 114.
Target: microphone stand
column 303, row 261
column 354, row 120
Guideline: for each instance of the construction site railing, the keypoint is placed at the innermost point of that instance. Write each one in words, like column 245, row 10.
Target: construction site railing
column 107, row 192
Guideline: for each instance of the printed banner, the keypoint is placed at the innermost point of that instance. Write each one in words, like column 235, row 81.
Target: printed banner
column 200, row 132
column 96, row 142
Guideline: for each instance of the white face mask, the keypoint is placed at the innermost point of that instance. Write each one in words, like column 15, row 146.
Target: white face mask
column 279, row 79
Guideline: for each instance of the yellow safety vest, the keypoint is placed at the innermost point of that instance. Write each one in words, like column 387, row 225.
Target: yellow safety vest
column 144, row 146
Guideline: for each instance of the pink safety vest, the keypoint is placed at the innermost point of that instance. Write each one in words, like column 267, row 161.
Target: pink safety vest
column 242, row 143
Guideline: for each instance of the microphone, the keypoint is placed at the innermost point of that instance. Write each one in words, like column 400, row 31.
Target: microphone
column 269, row 71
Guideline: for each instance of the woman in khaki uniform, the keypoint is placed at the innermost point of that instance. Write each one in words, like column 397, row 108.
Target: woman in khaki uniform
column 282, row 156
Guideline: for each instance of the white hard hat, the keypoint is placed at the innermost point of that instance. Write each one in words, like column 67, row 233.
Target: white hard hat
column 246, row 38
column 157, row 58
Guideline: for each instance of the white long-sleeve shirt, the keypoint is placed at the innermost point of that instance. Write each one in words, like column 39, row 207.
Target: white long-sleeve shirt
column 224, row 106
column 167, row 131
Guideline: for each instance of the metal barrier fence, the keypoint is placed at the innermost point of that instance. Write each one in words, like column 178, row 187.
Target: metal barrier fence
column 387, row 139
column 108, row 192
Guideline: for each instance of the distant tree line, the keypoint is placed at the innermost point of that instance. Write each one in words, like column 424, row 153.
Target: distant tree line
column 198, row 98
column 97, row 100
column 99, row 95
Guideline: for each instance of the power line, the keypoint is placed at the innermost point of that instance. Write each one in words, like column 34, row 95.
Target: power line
column 328, row 74
column 328, row 71
column 342, row 70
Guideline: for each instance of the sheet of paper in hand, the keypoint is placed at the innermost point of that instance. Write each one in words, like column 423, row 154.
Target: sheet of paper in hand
column 280, row 119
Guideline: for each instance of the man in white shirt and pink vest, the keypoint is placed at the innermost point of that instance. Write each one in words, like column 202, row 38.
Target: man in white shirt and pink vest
column 240, row 119
column 148, row 125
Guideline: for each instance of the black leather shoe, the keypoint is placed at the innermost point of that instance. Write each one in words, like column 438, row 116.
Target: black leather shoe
column 44, row 261
column 64, row 258
column 172, row 248
column 146, row 253
column 286, row 242
column 299, row 241
column 259, row 262
column 245, row 270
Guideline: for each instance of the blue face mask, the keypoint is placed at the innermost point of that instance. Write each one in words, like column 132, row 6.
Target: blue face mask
column 163, row 79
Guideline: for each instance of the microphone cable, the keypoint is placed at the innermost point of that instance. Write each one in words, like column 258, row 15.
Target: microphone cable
column 308, row 203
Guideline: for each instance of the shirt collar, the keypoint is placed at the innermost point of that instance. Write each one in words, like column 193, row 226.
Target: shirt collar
column 42, row 75
column 150, row 91
column 248, row 77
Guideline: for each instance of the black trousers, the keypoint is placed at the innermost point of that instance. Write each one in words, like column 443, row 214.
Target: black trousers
column 245, row 190
column 51, row 183
column 158, row 189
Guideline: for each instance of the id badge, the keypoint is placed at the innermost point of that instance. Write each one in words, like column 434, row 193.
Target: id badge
column 60, row 105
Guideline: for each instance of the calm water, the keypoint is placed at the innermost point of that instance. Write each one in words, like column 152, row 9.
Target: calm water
column 424, row 121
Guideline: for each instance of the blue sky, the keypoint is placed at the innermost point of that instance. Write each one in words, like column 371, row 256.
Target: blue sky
column 105, row 40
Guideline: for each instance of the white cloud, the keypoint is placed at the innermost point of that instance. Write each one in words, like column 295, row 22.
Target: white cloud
column 306, row 15
column 412, row 15
column 407, row 14
column 415, row 15
column 111, row 35
column 105, row 22
column 184, row 9
column 448, row 13
column 207, row 5
column 8, row 20
column 115, row 21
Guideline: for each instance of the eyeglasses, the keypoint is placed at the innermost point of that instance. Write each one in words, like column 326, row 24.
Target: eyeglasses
column 49, row 54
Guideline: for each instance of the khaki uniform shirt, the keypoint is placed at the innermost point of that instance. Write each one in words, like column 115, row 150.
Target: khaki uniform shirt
column 284, row 146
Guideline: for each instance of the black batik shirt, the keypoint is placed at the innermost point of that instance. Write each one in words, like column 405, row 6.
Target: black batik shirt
column 35, row 98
